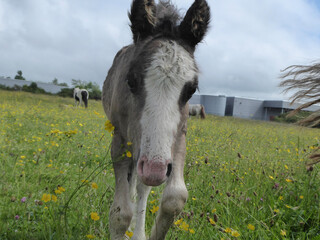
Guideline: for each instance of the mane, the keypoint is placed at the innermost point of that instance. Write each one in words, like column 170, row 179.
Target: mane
column 167, row 18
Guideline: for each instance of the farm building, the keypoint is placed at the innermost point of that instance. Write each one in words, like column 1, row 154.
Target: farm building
column 48, row 87
column 245, row 107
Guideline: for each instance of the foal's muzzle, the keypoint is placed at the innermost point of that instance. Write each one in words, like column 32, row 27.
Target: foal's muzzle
column 155, row 171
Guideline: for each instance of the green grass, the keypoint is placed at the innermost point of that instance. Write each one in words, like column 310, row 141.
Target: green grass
column 238, row 172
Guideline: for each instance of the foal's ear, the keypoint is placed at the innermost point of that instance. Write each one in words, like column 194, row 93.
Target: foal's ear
column 142, row 17
column 195, row 23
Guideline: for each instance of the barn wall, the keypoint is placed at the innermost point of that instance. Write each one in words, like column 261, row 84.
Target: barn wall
column 248, row 108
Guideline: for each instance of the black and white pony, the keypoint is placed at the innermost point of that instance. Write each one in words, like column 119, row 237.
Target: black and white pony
column 145, row 96
column 80, row 96
column 197, row 110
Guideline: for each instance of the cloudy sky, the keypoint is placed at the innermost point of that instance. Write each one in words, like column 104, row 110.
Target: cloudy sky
column 248, row 44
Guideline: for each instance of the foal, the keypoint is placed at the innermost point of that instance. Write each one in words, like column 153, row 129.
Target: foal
column 197, row 110
column 81, row 95
column 145, row 96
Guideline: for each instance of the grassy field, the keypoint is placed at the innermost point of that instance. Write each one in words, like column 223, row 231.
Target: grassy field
column 246, row 179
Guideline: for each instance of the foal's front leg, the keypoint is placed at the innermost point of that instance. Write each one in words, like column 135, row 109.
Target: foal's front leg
column 140, row 214
column 120, row 214
column 175, row 194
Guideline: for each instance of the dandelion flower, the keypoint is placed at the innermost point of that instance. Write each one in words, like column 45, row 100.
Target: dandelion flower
column 251, row 227
column 271, row 177
column 46, row 197
column 129, row 234
column 301, row 197
column 228, row 230
column 178, row 222
column 288, row 180
column 94, row 216
column 212, row 221
column 90, row 236
column 235, row 234
column 129, row 155
column 108, row 126
column 154, row 209
column 214, row 210
column 62, row 189
column 94, row 185
column 184, row 226
column 57, row 191
column 54, row 198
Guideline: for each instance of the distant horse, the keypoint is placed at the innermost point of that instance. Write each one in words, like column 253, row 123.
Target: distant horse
column 81, row 95
column 145, row 96
column 197, row 110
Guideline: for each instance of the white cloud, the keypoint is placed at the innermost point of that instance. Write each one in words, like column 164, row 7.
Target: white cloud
column 248, row 44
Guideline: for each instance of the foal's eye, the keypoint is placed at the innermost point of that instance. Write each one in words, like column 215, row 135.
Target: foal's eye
column 132, row 83
column 187, row 92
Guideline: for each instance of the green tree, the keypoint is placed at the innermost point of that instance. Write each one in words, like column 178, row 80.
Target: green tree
column 19, row 75
column 56, row 82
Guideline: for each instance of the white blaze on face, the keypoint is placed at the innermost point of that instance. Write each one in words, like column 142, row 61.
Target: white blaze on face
column 170, row 69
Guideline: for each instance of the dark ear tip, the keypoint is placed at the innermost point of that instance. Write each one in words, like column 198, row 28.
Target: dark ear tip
column 195, row 23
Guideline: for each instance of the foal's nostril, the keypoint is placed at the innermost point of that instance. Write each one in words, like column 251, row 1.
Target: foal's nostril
column 169, row 169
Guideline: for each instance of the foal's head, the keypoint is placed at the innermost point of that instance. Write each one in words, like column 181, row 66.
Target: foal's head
column 162, row 78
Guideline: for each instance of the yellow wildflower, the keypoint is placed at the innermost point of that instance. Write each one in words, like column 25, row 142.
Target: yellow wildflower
column 301, row 197
column 271, row 177
column 288, row 180
column 192, row 231
column 281, row 198
column 184, row 226
column 129, row 234
column 62, row 189
column 286, row 166
column 153, row 201
column 129, row 155
column 154, row 209
column 129, row 143
column 276, row 210
column 178, row 222
column 90, row 236
column 212, row 221
column 46, row 197
column 235, row 234
column 94, row 185
column 54, row 198
column 214, row 210
column 94, row 216
column 228, row 230
column 283, row 232
column 251, row 227
column 108, row 126
column 57, row 191
column 22, row 157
